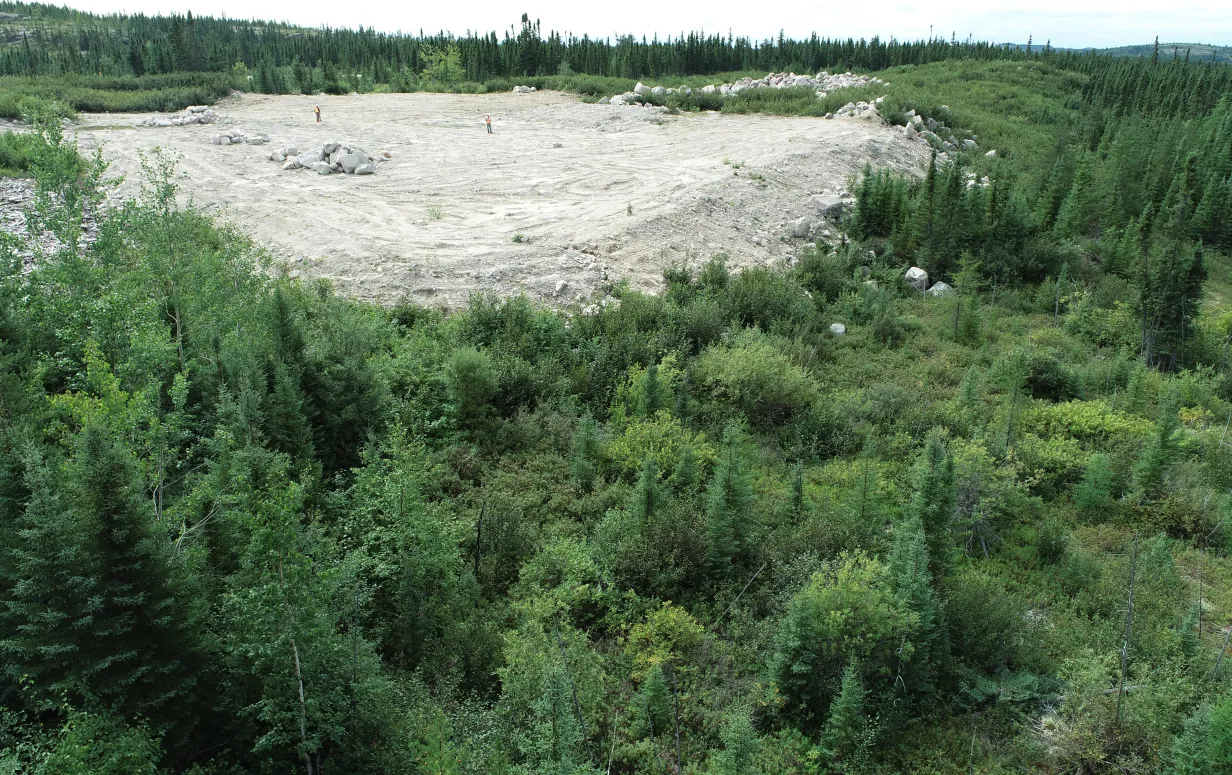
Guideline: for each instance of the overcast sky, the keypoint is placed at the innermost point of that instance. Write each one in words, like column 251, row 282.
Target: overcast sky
column 1067, row 23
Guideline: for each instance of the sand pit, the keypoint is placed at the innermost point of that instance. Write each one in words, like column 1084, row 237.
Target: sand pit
column 439, row 220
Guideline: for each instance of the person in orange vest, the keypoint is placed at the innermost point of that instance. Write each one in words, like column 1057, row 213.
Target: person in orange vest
column 487, row 120
column 317, row 110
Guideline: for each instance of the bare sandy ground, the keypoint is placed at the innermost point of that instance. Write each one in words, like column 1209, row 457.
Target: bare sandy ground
column 438, row 221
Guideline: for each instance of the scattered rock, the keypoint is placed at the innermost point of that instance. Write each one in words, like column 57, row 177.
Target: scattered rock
column 800, row 229
column 917, row 278
column 991, row 154
column 365, row 169
column 940, row 289
column 838, row 329
column 321, row 167
column 561, row 286
column 828, row 205
column 197, row 114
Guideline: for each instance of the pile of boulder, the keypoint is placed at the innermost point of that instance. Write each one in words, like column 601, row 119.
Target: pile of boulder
column 197, row 114
column 865, row 110
column 329, row 158
column 524, row 90
column 936, row 134
column 236, row 137
column 823, row 83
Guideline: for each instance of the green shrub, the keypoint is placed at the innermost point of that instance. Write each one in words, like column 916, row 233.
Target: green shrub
column 752, row 376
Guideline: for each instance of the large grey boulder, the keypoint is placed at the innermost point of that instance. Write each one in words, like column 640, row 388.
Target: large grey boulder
column 658, row 90
column 940, row 289
column 917, row 278
column 290, row 150
column 290, row 164
column 321, row 167
column 800, row 228
column 365, row 169
column 968, row 145
column 641, row 89
column 838, row 329
column 224, row 140
column 829, row 205
column 991, row 154
column 910, row 132
column 256, row 141
column 605, row 101
column 350, row 161
column 308, row 158
column 329, row 148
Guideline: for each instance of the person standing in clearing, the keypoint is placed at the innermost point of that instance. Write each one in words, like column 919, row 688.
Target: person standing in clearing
column 317, row 110
column 488, row 121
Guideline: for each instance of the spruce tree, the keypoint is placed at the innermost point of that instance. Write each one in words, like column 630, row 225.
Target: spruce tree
column 50, row 583
column 651, row 398
column 140, row 650
column 914, row 587
column 846, row 734
column 1094, row 492
column 648, row 496
column 729, row 504
column 685, row 474
column 1152, row 466
column 935, row 500
column 97, row 614
column 582, row 461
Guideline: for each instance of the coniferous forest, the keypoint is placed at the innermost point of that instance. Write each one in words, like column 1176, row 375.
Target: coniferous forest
column 252, row 526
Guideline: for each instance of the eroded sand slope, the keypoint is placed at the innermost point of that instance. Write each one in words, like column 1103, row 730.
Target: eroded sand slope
column 562, row 173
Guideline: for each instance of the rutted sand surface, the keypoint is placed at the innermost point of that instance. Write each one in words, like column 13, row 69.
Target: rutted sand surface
column 560, row 172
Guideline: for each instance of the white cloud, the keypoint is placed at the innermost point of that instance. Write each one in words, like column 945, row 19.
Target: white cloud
column 1070, row 23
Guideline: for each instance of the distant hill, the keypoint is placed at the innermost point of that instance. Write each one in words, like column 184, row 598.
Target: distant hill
column 1198, row 52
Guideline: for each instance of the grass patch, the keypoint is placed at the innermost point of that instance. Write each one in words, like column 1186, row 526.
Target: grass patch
column 436, row 212
column 20, row 96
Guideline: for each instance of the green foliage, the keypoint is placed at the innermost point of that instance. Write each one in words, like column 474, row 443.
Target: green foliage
column 90, row 744
column 442, row 65
column 256, row 527
column 847, row 611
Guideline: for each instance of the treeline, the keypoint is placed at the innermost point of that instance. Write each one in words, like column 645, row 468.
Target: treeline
column 57, row 41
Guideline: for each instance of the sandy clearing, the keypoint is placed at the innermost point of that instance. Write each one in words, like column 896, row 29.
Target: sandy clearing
column 562, row 173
